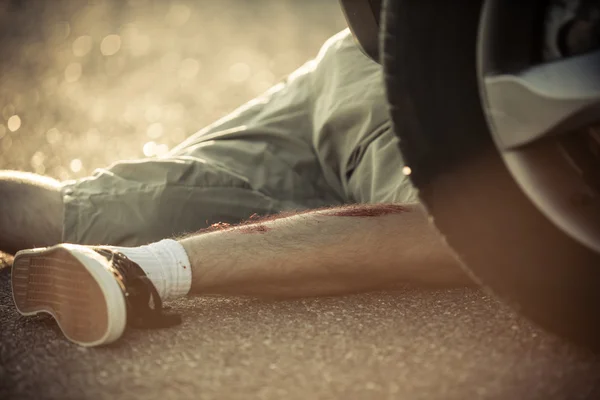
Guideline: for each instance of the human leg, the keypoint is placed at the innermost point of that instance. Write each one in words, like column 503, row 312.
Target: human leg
column 224, row 175
column 267, row 149
column 31, row 211
column 326, row 252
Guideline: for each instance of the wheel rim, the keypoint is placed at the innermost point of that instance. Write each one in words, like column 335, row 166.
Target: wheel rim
column 539, row 76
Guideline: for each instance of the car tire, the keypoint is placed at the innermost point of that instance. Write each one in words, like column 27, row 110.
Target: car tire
column 429, row 57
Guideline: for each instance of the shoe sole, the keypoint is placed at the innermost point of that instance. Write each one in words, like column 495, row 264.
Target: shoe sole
column 71, row 284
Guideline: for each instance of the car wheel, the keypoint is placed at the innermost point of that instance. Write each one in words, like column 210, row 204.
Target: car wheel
column 522, row 215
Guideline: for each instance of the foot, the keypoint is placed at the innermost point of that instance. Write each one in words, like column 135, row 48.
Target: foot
column 92, row 292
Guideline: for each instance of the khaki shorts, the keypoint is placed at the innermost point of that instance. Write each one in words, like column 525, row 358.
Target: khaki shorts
column 321, row 138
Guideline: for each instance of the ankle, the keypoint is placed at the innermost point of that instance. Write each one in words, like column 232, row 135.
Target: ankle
column 176, row 263
column 166, row 264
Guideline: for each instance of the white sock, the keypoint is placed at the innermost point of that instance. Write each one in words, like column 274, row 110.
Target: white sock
column 166, row 264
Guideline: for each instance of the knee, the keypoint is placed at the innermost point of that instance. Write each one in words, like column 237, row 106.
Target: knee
column 22, row 189
column 28, row 179
column 31, row 210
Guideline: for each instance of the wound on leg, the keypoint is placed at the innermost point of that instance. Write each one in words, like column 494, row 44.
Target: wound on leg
column 369, row 210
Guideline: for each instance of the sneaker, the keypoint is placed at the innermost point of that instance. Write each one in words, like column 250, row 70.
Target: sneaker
column 93, row 293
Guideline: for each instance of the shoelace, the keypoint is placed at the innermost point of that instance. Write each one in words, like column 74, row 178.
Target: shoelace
column 138, row 291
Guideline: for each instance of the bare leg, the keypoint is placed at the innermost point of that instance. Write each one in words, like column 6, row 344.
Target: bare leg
column 324, row 252
column 31, row 211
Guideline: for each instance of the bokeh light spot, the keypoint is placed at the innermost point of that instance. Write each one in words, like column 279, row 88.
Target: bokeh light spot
column 174, row 112
column 59, row 31
column 189, row 68
column 98, row 110
column 153, row 113
column 149, row 149
column 8, row 110
column 407, row 170
column 76, row 165
column 130, row 114
column 62, row 173
column 170, row 61
column 113, row 66
column 140, row 44
column 161, row 149
column 155, row 130
column 239, row 72
column 6, row 143
column 177, row 15
column 177, row 134
column 37, row 162
column 73, row 72
column 38, row 158
column 136, row 43
column 152, row 149
column 14, row 123
column 110, row 45
column 82, row 45
column 262, row 81
column 53, row 136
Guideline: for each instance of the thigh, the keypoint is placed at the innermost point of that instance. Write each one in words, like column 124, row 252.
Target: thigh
column 350, row 108
column 352, row 132
column 259, row 159
column 137, row 202
column 268, row 142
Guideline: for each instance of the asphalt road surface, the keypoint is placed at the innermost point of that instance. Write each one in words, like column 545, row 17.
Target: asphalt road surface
column 410, row 344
